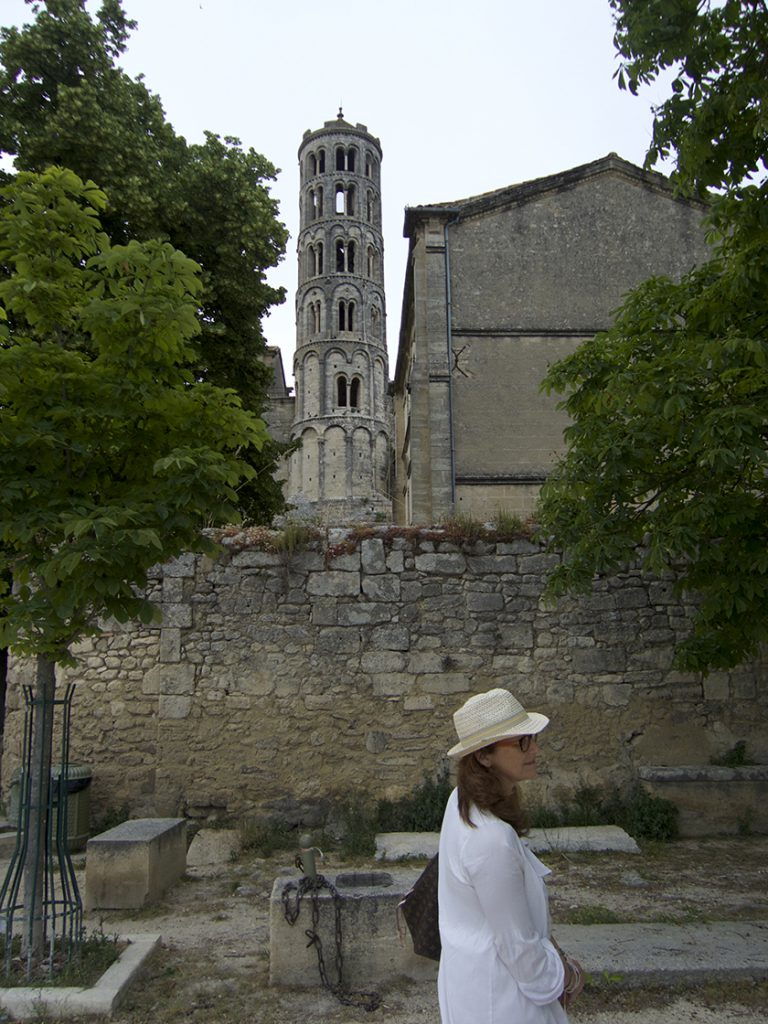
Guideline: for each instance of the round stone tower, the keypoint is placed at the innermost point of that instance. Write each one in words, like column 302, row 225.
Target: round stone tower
column 343, row 414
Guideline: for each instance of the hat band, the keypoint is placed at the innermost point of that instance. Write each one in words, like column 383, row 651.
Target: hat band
column 494, row 730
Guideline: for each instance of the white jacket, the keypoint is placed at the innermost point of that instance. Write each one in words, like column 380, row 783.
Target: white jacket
column 498, row 965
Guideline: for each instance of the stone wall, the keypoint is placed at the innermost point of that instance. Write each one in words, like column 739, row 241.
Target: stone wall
column 277, row 680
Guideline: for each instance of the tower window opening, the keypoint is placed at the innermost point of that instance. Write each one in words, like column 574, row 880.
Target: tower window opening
column 310, row 263
column 341, row 390
column 346, row 315
column 368, row 165
column 339, row 158
column 371, row 261
column 375, row 322
column 350, row 206
column 340, row 199
column 369, row 206
column 312, row 164
column 321, row 161
column 319, row 202
column 354, row 393
column 350, row 257
column 319, row 258
column 340, row 256
column 351, row 157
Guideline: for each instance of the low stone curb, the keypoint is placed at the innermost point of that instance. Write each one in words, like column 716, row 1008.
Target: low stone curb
column 395, row 846
column 668, row 954
column 102, row 998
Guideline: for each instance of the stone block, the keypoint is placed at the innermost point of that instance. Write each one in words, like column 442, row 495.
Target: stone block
column 184, row 565
column 391, row 638
column 333, row 584
column 491, row 564
column 364, row 614
column 179, row 615
column 256, row 559
column 712, row 800
column 372, row 555
column 169, row 679
column 391, row 684
column 324, row 612
column 382, row 661
column 418, row 702
column 173, row 589
column 442, row 564
column 338, row 641
column 214, row 846
column 376, row 742
column 133, row 864
column 382, row 588
column 396, row 846
column 170, row 645
column 173, row 707
column 596, row 660
column 346, row 562
column 445, row 682
column 373, row 951
column 485, row 602
column 395, row 561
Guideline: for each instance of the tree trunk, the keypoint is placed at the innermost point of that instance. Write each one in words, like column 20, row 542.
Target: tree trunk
column 37, row 821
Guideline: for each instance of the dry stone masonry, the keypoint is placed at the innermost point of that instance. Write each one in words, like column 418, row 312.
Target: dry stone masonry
column 278, row 681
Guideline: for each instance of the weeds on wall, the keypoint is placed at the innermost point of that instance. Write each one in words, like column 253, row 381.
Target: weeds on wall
column 736, row 757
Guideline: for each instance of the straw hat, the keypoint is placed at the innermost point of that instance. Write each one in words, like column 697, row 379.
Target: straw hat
column 488, row 717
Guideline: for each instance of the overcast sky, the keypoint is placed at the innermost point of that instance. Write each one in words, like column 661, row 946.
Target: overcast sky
column 465, row 96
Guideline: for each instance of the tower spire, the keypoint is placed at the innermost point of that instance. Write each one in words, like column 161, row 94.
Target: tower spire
column 343, row 413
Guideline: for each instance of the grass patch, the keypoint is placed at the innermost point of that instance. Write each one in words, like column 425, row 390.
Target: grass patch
column 592, row 915
column 97, row 953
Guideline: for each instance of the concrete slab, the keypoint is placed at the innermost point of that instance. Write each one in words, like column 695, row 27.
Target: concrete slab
column 214, row 846
column 577, row 838
column 665, row 954
column 394, row 846
column 102, row 998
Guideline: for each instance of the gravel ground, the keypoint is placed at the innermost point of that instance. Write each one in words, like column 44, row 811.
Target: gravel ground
column 213, row 968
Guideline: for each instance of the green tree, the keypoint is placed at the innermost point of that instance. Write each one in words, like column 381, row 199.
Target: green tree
column 666, row 454
column 112, row 454
column 64, row 100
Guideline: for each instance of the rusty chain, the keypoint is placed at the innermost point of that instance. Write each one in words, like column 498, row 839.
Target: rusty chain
column 292, row 908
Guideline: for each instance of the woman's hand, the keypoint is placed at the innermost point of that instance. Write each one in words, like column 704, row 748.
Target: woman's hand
column 574, row 981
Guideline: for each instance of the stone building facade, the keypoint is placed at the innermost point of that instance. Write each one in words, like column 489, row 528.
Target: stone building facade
column 342, row 410
column 277, row 681
column 498, row 287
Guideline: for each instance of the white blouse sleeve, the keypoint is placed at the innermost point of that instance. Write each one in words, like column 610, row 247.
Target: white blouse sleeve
column 495, row 869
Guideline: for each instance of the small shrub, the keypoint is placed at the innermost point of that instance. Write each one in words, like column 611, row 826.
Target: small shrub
column 507, row 525
column 359, row 824
column 111, row 818
column 733, row 758
column 464, row 528
column 642, row 815
column 266, row 837
column 422, row 811
column 649, row 817
column 293, row 537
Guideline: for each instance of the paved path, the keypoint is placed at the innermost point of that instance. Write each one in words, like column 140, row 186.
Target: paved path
column 659, row 954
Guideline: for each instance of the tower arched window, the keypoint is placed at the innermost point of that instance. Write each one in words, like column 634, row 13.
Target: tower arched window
column 369, row 206
column 312, row 164
column 345, row 256
column 372, row 262
column 350, row 205
column 310, row 260
column 346, row 315
column 339, row 158
column 354, row 393
column 318, row 202
column 319, row 258
column 368, row 165
column 350, row 257
column 351, row 158
column 341, row 199
column 375, row 322
column 321, row 161
column 341, row 391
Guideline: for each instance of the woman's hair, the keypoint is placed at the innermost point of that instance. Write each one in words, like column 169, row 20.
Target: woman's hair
column 481, row 786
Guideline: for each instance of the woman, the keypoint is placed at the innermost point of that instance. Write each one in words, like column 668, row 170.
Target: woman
column 498, row 964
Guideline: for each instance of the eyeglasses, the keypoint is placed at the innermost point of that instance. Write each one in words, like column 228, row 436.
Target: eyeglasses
column 524, row 742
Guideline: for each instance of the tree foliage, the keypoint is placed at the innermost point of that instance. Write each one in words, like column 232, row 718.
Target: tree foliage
column 64, row 101
column 112, row 455
column 666, row 452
